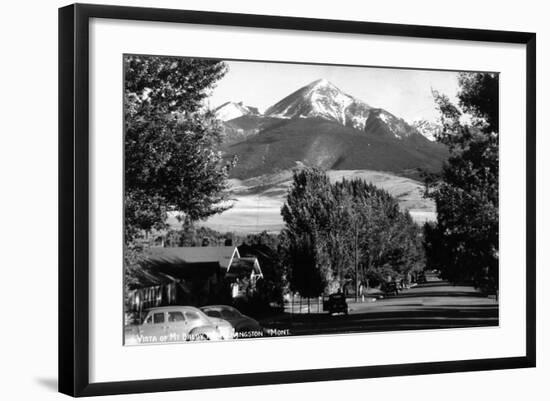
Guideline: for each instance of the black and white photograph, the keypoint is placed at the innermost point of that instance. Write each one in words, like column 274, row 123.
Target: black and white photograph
column 269, row 199
column 275, row 201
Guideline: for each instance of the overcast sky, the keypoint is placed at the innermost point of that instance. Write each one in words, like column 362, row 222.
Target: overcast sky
column 405, row 93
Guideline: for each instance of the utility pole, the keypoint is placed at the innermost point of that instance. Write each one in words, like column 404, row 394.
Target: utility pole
column 356, row 265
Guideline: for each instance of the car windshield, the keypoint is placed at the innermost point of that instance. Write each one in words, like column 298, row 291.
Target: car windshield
column 213, row 313
column 194, row 315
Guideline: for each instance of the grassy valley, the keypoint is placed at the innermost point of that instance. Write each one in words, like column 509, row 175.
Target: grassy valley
column 257, row 201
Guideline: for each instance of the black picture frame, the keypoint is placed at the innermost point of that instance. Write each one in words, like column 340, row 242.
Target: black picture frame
column 74, row 198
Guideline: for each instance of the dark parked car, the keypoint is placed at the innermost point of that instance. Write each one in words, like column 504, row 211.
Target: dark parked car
column 241, row 323
column 336, row 303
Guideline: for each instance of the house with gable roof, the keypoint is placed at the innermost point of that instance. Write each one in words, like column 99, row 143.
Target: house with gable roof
column 193, row 276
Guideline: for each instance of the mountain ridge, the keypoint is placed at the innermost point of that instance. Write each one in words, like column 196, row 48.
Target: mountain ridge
column 325, row 144
column 231, row 110
column 321, row 98
column 319, row 125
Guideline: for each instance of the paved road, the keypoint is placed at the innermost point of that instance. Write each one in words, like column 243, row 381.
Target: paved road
column 433, row 305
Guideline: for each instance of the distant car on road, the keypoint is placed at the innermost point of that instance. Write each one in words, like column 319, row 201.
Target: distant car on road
column 239, row 322
column 390, row 288
column 336, row 303
column 181, row 323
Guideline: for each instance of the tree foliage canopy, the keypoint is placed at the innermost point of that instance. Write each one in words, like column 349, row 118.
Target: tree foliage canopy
column 326, row 224
column 171, row 162
column 464, row 241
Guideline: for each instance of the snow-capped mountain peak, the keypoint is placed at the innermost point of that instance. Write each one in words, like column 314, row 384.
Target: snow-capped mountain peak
column 230, row 110
column 321, row 83
column 428, row 129
column 323, row 99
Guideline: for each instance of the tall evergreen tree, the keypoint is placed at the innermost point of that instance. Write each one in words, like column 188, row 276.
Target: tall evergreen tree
column 304, row 275
column 306, row 213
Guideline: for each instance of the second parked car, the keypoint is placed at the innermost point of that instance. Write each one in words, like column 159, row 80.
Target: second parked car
column 241, row 323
